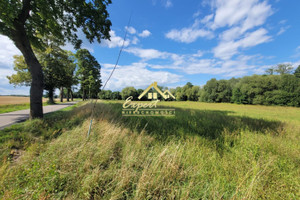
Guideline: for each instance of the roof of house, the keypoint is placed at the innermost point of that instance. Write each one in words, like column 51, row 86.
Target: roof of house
column 154, row 85
column 167, row 91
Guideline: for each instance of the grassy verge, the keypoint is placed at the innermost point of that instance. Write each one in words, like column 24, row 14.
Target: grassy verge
column 199, row 154
column 15, row 107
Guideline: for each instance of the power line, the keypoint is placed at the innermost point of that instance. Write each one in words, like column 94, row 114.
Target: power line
column 120, row 52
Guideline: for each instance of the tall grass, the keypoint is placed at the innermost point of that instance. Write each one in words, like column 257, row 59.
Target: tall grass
column 199, row 154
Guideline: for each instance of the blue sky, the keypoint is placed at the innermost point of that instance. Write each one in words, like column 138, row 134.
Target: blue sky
column 173, row 42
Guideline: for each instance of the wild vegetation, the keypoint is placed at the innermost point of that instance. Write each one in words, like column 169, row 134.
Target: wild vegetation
column 282, row 89
column 207, row 151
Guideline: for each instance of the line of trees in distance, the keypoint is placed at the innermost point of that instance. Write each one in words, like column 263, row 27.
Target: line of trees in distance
column 62, row 70
column 279, row 86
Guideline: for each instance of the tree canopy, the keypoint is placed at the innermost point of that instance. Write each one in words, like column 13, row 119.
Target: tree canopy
column 88, row 74
column 27, row 22
column 58, row 69
column 59, row 18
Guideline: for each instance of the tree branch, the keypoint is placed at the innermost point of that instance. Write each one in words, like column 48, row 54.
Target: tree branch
column 24, row 14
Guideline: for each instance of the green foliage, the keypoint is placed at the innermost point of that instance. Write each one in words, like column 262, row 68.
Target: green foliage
column 57, row 64
column 59, row 18
column 297, row 72
column 280, row 69
column 58, row 67
column 218, row 91
column 129, row 91
column 256, row 89
column 88, row 74
column 108, row 94
column 27, row 22
column 284, row 69
column 188, row 92
column 23, row 76
column 270, row 71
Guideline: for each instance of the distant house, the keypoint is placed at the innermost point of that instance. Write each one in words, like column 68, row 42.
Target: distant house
column 153, row 95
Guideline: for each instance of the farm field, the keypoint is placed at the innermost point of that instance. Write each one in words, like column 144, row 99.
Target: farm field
column 7, row 100
column 207, row 151
column 14, row 103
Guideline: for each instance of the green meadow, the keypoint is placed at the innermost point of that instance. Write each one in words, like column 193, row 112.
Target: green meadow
column 207, row 151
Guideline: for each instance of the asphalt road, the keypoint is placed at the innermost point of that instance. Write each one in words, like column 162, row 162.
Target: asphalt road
column 7, row 119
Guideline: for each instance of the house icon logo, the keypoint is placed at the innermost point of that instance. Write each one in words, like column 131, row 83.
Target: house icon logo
column 152, row 95
column 148, row 108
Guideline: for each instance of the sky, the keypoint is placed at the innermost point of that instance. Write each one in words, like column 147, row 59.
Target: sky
column 174, row 42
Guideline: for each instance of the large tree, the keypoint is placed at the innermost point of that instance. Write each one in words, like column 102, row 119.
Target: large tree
column 88, row 74
column 284, row 69
column 129, row 91
column 25, row 21
column 58, row 69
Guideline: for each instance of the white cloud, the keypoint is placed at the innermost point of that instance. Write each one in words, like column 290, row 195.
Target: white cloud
column 188, row 35
column 7, row 51
column 135, row 40
column 115, row 41
column 5, row 72
column 297, row 53
column 197, row 14
column 238, row 18
column 226, row 49
column 198, row 54
column 147, row 54
column 248, row 13
column 164, row 3
column 10, row 90
column 145, row 34
column 239, row 15
column 207, row 18
column 85, row 43
column 6, row 88
column 257, row 37
column 296, row 64
column 130, row 29
column 168, row 4
column 257, row 15
column 231, row 34
column 195, row 63
column 283, row 29
column 136, row 75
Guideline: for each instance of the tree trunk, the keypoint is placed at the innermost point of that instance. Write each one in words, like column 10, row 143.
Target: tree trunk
column 36, row 90
column 71, row 92
column 83, row 95
column 61, row 94
column 51, row 100
column 68, row 94
column 89, row 93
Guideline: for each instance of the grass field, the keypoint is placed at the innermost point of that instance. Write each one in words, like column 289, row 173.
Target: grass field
column 207, row 151
column 14, row 103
